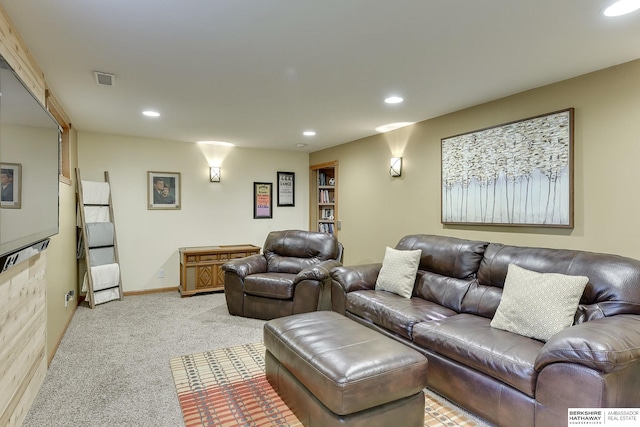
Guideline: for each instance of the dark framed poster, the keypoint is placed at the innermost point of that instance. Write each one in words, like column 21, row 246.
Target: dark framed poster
column 286, row 189
column 262, row 200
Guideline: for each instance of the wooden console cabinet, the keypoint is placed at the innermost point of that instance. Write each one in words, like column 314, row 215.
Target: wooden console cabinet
column 200, row 267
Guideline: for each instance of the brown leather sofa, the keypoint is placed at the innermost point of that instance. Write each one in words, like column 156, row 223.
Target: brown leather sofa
column 290, row 276
column 506, row 378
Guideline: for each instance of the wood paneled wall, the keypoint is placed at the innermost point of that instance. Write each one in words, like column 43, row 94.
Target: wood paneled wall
column 22, row 338
column 15, row 52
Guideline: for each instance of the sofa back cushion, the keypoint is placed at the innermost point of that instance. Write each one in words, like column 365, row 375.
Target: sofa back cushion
column 447, row 256
column 290, row 251
column 613, row 288
column 446, row 291
column 447, row 267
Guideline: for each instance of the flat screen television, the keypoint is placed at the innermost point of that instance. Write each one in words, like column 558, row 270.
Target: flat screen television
column 29, row 169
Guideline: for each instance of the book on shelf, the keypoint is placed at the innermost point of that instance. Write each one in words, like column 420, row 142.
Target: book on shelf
column 326, row 228
column 324, row 179
column 324, row 196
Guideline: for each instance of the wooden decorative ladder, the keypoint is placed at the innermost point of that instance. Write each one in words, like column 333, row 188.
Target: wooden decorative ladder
column 97, row 243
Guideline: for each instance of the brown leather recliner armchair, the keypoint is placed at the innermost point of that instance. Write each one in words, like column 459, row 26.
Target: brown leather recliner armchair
column 290, row 276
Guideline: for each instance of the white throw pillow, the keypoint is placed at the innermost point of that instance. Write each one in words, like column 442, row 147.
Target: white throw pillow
column 398, row 272
column 538, row 305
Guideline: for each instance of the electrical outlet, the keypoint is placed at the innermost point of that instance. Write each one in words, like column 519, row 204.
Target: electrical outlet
column 68, row 297
column 161, row 273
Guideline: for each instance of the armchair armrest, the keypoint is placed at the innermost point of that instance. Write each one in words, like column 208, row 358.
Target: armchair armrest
column 245, row 266
column 319, row 271
column 608, row 344
column 357, row 277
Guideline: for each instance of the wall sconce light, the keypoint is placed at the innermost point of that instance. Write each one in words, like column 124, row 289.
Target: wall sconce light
column 396, row 166
column 214, row 174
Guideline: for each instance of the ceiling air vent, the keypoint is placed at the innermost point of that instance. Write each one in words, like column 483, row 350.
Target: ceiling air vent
column 104, row 79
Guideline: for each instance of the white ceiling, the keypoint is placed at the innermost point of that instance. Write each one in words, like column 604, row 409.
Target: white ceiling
column 258, row 72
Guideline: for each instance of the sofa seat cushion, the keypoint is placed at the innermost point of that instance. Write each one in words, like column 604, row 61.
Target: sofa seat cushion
column 270, row 285
column 393, row 312
column 471, row 341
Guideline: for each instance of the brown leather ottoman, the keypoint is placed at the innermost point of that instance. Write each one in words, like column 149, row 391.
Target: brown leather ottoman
column 333, row 371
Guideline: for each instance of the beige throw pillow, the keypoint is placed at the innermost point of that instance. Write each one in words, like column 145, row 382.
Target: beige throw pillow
column 538, row 305
column 398, row 272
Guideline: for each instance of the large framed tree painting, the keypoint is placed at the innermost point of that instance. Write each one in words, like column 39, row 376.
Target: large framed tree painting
column 516, row 174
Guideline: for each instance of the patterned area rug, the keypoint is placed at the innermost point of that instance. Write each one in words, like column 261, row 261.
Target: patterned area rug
column 227, row 387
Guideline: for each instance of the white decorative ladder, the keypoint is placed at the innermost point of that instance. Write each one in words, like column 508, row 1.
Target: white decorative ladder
column 97, row 243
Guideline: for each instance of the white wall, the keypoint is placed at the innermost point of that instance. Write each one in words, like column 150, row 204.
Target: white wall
column 211, row 213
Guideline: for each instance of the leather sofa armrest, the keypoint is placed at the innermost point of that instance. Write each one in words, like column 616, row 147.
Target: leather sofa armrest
column 357, row 277
column 608, row 344
column 319, row 271
column 243, row 267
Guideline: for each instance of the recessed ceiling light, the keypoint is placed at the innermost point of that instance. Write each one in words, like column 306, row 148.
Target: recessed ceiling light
column 622, row 7
column 309, row 133
column 392, row 126
column 150, row 113
column 393, row 100
column 223, row 143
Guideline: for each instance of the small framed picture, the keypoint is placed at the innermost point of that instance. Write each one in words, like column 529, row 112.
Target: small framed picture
column 11, row 182
column 163, row 190
column 262, row 200
column 286, row 189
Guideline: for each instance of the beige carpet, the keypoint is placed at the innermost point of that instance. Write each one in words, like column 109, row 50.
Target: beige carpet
column 227, row 387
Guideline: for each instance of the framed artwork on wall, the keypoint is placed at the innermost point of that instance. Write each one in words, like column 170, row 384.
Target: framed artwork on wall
column 11, row 183
column 163, row 190
column 515, row 174
column 262, row 200
column 286, row 189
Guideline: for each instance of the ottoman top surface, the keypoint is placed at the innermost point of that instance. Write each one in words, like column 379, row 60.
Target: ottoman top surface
column 346, row 365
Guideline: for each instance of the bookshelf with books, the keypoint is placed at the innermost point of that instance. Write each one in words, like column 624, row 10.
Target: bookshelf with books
column 324, row 199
